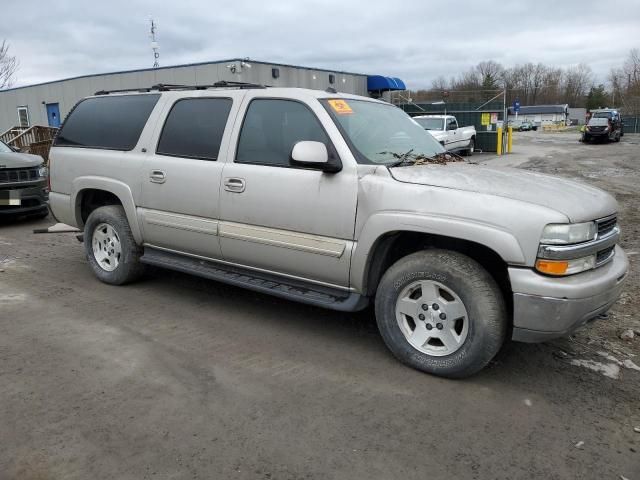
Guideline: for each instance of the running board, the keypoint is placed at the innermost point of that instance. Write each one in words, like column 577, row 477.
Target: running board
column 270, row 284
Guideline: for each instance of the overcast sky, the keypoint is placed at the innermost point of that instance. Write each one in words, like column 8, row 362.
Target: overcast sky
column 414, row 40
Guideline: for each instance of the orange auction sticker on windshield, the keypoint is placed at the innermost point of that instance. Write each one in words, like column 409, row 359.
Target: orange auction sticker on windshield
column 340, row 107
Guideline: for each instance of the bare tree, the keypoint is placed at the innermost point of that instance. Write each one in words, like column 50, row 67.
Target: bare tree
column 551, row 92
column 617, row 81
column 491, row 74
column 440, row 83
column 626, row 83
column 8, row 66
column 632, row 68
column 576, row 82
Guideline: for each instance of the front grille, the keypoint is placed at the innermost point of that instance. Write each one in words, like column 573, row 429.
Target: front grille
column 16, row 175
column 596, row 129
column 604, row 255
column 606, row 225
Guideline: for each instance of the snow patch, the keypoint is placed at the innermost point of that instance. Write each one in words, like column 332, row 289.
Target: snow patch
column 630, row 365
column 610, row 370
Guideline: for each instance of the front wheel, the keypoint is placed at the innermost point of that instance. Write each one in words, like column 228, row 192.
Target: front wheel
column 441, row 312
column 110, row 247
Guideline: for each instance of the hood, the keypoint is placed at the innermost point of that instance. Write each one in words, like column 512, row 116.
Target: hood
column 598, row 122
column 577, row 201
column 19, row 160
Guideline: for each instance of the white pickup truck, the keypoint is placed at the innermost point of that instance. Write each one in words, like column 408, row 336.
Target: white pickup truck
column 445, row 129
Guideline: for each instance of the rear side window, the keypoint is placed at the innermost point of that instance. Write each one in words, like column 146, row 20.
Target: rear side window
column 194, row 128
column 110, row 122
column 272, row 127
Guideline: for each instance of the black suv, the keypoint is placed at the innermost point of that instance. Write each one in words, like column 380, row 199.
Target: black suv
column 23, row 184
column 604, row 124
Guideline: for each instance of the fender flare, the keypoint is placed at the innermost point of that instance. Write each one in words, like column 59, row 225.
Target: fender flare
column 379, row 225
column 117, row 188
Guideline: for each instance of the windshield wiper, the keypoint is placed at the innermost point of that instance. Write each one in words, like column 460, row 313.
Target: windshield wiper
column 403, row 158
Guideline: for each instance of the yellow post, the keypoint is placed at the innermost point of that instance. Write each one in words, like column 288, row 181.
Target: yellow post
column 509, row 139
column 499, row 147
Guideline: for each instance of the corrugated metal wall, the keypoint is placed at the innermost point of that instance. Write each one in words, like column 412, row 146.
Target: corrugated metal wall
column 68, row 92
column 631, row 124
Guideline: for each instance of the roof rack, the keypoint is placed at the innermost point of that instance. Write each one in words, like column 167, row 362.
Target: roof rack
column 166, row 87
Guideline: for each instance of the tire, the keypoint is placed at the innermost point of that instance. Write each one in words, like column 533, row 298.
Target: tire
column 109, row 227
column 472, row 146
column 586, row 138
column 460, row 285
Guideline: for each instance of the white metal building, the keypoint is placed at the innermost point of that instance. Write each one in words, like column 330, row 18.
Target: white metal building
column 48, row 103
column 540, row 114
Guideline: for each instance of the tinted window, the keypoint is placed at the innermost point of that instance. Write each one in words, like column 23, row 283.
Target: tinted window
column 113, row 122
column 272, row 127
column 194, row 128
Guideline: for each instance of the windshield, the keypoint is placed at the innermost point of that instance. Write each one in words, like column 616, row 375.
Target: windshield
column 602, row 115
column 431, row 123
column 380, row 132
column 4, row 148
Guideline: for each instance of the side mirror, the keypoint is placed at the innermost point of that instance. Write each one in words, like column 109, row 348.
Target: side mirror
column 313, row 155
column 452, row 126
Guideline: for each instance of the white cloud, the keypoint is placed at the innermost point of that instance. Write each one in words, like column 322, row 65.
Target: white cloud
column 414, row 40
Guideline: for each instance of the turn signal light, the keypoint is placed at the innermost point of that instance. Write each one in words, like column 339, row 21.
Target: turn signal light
column 566, row 267
column 552, row 267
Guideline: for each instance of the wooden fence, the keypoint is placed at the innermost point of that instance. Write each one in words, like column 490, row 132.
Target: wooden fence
column 36, row 139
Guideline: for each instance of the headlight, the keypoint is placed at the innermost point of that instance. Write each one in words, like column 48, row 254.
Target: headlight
column 43, row 172
column 566, row 267
column 565, row 234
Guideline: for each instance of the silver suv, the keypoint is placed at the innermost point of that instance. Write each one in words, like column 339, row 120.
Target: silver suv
column 337, row 201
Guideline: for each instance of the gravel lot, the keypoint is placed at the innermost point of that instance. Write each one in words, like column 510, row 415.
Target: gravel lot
column 178, row 377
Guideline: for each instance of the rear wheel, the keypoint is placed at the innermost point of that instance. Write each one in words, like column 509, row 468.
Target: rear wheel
column 110, row 247
column 472, row 147
column 440, row 312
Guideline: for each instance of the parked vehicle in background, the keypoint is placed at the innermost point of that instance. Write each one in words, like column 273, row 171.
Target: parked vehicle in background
column 604, row 125
column 445, row 130
column 23, row 184
column 611, row 114
column 526, row 126
column 337, row 201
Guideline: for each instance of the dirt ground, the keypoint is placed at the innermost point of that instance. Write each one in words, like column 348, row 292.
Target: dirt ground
column 178, row 377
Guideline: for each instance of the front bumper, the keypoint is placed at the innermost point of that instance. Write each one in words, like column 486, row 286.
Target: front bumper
column 32, row 198
column 600, row 133
column 549, row 307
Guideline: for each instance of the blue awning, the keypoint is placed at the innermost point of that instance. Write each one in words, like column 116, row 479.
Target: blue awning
column 378, row 83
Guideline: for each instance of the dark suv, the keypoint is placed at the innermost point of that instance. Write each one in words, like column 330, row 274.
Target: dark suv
column 23, row 184
column 604, row 124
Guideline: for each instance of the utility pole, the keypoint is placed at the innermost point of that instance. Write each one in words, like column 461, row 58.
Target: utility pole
column 154, row 44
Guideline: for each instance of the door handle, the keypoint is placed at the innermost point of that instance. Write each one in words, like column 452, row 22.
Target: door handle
column 157, row 176
column 235, row 185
